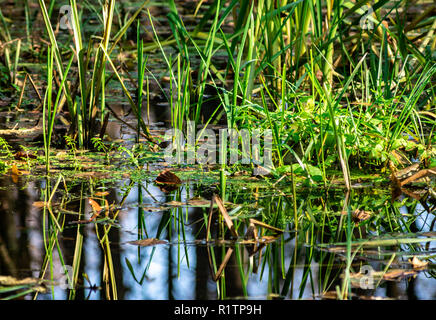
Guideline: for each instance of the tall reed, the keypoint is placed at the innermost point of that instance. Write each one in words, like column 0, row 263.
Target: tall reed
column 91, row 80
column 50, row 108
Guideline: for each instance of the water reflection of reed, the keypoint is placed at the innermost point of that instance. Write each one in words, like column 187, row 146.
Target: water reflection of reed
column 293, row 266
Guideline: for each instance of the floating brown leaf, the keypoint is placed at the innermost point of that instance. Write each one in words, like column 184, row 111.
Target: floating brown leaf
column 95, row 206
column 418, row 264
column 21, row 155
column 398, row 274
column 15, row 173
column 167, row 177
column 39, row 204
column 404, row 173
column 147, row 242
column 419, row 175
column 101, row 193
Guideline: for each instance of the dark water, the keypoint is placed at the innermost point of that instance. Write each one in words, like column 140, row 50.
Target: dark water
column 180, row 269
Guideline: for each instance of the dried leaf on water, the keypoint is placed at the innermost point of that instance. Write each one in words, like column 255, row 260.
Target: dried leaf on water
column 198, row 202
column 93, row 174
column 168, row 181
column 167, row 177
column 95, row 206
column 377, row 276
column 15, row 173
column 39, row 204
column 147, row 242
column 397, row 274
column 419, row 175
column 418, row 264
column 101, row 193
column 21, row 155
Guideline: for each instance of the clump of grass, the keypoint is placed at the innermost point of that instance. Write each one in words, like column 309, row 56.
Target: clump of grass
column 328, row 100
column 91, row 80
column 49, row 109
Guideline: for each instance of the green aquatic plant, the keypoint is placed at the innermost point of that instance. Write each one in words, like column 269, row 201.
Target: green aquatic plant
column 91, row 89
column 258, row 55
column 142, row 65
column 49, row 107
column 6, row 148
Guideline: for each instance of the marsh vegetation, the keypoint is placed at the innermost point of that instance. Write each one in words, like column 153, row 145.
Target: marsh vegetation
column 95, row 95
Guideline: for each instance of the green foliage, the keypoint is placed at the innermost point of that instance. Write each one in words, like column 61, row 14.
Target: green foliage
column 321, row 115
column 92, row 78
column 3, row 167
column 6, row 148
